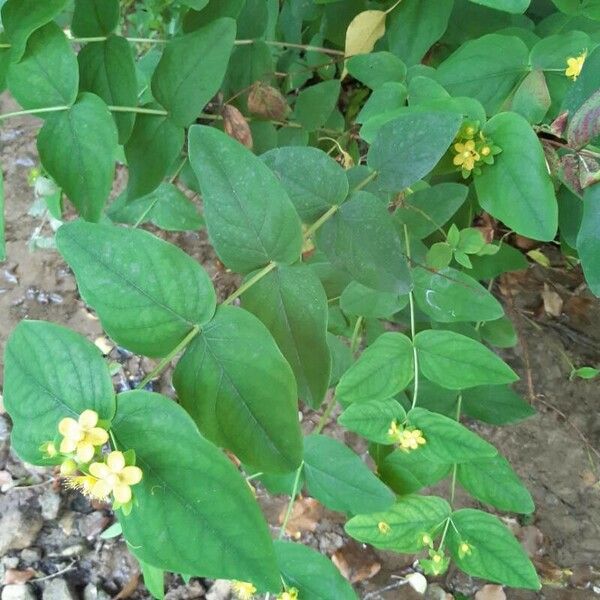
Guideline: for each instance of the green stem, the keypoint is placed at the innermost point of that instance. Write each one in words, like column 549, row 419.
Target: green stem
column 455, row 467
column 366, row 181
column 448, row 521
column 139, row 110
column 290, row 507
column 308, row 48
column 325, row 416
column 113, row 440
column 248, row 284
column 354, row 340
column 413, row 328
column 34, row 111
column 167, row 359
column 318, row 224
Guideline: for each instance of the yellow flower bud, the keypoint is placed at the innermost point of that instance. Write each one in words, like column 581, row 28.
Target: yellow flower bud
column 384, row 527
column 68, row 467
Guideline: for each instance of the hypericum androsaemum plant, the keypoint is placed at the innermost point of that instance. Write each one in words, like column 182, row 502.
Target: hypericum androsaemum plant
column 361, row 275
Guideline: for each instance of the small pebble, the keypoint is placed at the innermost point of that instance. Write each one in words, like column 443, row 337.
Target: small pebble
column 58, row 589
column 31, row 555
column 18, row 592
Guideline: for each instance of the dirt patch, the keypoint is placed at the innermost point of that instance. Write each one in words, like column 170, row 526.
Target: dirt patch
column 56, row 534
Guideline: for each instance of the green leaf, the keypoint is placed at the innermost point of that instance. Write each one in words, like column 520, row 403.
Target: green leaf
column 192, row 69
column 47, row 74
column 500, row 333
column 94, row 18
column 312, row 196
column 494, row 553
column 495, row 404
column 312, row 574
column 357, row 299
column 361, row 239
column 429, row 209
column 487, row 69
column 214, row 10
column 389, row 96
column 190, row 493
column 250, row 219
column 501, row 187
column 2, row 227
column 107, row 69
column 241, row 392
column 341, row 358
column 517, row 7
column 490, row 266
column 292, row 303
column 51, row 372
column 149, row 294
column 586, row 372
column 84, row 172
column 407, row 148
column 20, row 18
column 409, row 472
column 372, row 419
column 167, row 207
column 532, row 98
column 448, row 440
column 154, row 580
column 339, row 479
column 588, row 242
column 492, row 481
column 383, row 369
column 455, row 361
column 153, row 147
column 450, row 296
column 415, row 25
column 315, row 104
column 376, row 68
column 587, row 83
column 584, row 125
column 439, row 256
column 407, row 522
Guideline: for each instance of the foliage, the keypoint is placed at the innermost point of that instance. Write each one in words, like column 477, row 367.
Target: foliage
column 348, row 155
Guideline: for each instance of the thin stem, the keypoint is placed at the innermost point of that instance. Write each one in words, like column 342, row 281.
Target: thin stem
column 248, row 284
column 34, row 111
column 138, row 110
column 448, row 521
column 355, row 334
column 318, row 224
column 254, row 476
column 455, row 466
column 308, row 48
column 366, row 181
column 167, row 359
column 391, row 8
column 325, row 416
column 413, row 328
column 288, row 512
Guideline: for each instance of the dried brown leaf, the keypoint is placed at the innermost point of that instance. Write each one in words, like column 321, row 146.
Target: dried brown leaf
column 306, row 514
column 267, row 102
column 236, row 126
column 356, row 562
column 553, row 303
column 490, row 592
column 15, row 576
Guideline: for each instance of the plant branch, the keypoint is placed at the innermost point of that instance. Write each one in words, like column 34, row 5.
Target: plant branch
column 34, row 111
column 290, row 507
column 413, row 328
column 248, row 284
column 325, row 416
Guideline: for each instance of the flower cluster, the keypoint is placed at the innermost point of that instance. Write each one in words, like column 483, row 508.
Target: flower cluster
column 473, row 150
column 436, row 564
column 574, row 65
column 244, row 590
column 84, row 466
column 406, row 438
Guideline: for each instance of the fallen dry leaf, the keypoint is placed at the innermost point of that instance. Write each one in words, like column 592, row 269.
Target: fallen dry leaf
column 129, row 588
column 14, row 576
column 306, row 514
column 236, row 126
column 553, row 303
column 267, row 102
column 549, row 571
column 356, row 562
column 490, row 592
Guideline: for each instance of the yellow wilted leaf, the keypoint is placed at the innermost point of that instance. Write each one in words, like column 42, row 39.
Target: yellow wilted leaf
column 364, row 30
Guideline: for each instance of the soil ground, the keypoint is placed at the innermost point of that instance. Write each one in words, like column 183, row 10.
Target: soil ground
column 52, row 536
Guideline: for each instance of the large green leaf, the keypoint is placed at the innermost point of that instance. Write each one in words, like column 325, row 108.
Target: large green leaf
column 488, row 69
column 493, row 481
column 251, row 221
column 430, row 208
column 447, row 440
column 358, row 299
column 496, row 404
column 153, row 147
column 316, row 103
column 214, row 10
column 362, row 239
column 312, row 196
column 588, row 241
column 494, row 553
column 149, row 294
column 241, row 392
column 414, row 26
column 312, row 574
column 77, row 147
column 20, row 18
column 376, row 68
column 192, row 69
column 402, row 527
column 372, row 419
column 191, row 503
column 407, row 148
column 455, row 361
column 47, row 74
column 511, row 6
column 383, row 369
column 51, row 372
column 449, row 296
column 502, row 186
column 108, row 70
column 94, row 18
column 292, row 303
column 340, row 480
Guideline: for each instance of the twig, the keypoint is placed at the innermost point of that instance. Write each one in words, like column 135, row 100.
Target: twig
column 71, row 567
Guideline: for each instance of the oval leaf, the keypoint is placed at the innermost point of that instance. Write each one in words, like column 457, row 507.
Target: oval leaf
column 149, row 294
column 94, row 18
column 364, row 31
column 588, row 242
column 372, row 419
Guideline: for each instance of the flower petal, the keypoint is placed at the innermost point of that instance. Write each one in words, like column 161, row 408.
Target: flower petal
column 116, row 461
column 88, row 419
column 458, row 159
column 67, row 446
column 101, row 489
column 131, row 475
column 69, row 428
column 99, row 470
column 122, row 493
column 85, row 451
column 97, row 436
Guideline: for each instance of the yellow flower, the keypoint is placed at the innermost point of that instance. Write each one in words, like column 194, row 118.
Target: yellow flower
column 394, row 431
column 83, row 483
column 411, row 439
column 384, row 527
column 486, row 151
column 82, row 436
column 113, row 476
column 291, row 594
column 466, row 156
column 243, row 590
column 574, row 65
column 426, row 539
column 464, row 549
